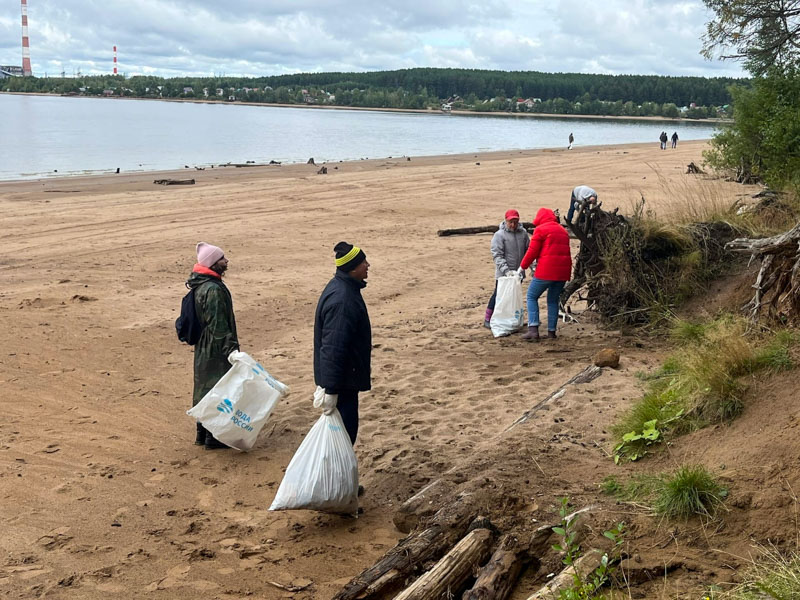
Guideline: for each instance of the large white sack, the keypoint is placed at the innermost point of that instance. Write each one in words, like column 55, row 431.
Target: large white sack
column 509, row 308
column 237, row 407
column 323, row 473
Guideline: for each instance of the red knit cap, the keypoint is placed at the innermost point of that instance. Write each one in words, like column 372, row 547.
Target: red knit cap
column 512, row 214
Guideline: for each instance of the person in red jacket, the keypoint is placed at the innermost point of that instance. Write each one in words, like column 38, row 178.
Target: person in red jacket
column 550, row 248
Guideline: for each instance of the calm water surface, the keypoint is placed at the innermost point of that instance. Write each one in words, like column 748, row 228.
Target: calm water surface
column 54, row 136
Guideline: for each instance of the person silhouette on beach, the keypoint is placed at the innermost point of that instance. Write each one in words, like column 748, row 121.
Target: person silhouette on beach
column 571, row 139
column 675, row 139
column 663, row 139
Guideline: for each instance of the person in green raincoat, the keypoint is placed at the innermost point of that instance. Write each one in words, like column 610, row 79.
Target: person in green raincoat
column 214, row 307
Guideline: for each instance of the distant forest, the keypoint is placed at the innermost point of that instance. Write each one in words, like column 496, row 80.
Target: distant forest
column 426, row 88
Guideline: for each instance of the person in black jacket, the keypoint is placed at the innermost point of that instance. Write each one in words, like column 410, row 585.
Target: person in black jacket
column 343, row 337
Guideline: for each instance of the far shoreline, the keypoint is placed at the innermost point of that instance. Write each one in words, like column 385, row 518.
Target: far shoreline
column 427, row 111
column 100, row 182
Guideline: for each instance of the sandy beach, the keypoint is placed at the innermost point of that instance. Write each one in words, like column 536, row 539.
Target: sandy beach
column 103, row 495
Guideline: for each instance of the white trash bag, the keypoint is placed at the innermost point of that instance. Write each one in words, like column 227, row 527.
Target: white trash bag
column 323, row 473
column 509, row 306
column 238, row 406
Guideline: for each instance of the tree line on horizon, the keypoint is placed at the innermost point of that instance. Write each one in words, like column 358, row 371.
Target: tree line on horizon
column 426, row 88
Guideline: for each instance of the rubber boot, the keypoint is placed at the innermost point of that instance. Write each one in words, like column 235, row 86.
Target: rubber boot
column 201, row 435
column 487, row 318
column 551, row 334
column 532, row 335
column 213, row 443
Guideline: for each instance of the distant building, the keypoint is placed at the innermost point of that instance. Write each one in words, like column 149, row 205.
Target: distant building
column 188, row 90
column 108, row 92
column 10, row 71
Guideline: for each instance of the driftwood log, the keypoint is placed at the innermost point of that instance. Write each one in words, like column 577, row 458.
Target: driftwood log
column 497, row 578
column 482, row 229
column 779, row 275
column 446, row 527
column 174, row 181
column 454, row 569
column 583, row 566
column 590, row 373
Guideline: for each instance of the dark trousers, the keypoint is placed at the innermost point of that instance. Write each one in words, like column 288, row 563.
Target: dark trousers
column 348, row 409
column 493, row 299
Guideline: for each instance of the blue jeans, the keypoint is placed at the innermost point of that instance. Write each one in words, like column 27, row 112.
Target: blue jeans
column 536, row 289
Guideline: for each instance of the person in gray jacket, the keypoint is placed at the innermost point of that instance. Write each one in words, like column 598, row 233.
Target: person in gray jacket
column 509, row 245
column 581, row 195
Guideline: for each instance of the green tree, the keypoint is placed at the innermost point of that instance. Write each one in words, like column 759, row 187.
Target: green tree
column 762, row 33
column 764, row 140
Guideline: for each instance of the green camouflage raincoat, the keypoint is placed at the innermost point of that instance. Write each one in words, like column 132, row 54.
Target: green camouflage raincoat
column 214, row 307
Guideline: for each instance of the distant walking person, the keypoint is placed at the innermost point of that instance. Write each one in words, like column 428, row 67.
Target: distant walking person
column 214, row 308
column 663, row 138
column 675, row 139
column 571, row 139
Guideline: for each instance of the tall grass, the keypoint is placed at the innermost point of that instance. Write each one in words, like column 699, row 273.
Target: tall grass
column 774, row 575
column 703, row 382
column 690, row 491
column 695, row 199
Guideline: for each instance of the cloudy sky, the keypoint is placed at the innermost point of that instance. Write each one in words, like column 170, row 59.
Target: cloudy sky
column 270, row 37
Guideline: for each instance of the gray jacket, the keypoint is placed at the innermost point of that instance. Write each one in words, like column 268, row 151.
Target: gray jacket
column 508, row 248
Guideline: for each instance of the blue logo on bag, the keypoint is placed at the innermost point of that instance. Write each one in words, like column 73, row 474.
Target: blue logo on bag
column 226, row 406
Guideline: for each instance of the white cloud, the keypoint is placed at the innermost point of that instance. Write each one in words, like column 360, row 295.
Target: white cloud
column 266, row 37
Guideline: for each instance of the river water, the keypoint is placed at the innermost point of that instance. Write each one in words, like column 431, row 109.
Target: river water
column 54, row 136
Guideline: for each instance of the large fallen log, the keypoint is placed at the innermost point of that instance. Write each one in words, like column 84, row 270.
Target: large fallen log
column 497, row 578
column 446, row 527
column 779, row 275
column 583, row 566
column 174, row 181
column 454, row 569
column 483, row 229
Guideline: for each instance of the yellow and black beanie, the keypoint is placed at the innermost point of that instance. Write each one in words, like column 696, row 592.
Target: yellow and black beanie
column 348, row 257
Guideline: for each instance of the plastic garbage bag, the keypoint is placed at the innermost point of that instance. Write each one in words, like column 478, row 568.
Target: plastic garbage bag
column 237, row 407
column 509, row 308
column 323, row 473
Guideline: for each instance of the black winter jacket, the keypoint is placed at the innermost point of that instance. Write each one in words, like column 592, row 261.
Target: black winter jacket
column 342, row 337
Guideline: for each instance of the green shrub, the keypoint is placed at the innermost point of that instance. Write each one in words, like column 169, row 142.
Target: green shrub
column 690, row 491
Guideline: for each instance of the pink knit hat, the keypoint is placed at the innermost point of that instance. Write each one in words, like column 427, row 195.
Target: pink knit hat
column 207, row 255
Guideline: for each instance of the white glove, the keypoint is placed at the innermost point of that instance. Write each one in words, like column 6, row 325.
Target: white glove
column 327, row 402
column 234, row 356
column 521, row 274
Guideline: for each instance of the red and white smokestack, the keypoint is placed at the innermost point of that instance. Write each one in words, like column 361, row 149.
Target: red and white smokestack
column 26, row 49
column 115, row 60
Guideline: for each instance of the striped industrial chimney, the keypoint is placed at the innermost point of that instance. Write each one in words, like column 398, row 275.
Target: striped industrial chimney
column 26, row 49
column 115, row 60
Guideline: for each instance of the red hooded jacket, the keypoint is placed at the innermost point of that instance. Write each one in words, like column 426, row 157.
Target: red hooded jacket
column 550, row 245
